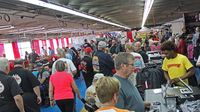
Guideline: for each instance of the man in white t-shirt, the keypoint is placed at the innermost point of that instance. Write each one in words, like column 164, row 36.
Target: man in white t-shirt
column 138, row 62
column 43, row 52
column 70, row 67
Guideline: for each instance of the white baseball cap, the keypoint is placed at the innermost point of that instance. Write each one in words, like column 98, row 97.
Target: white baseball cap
column 98, row 76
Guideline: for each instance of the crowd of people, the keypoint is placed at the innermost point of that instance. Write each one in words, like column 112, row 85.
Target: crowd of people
column 109, row 69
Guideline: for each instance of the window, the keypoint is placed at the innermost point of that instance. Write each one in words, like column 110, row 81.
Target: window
column 9, row 51
column 24, row 46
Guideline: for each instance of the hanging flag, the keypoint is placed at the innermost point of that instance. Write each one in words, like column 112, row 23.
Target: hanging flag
column 63, row 42
column 2, row 50
column 15, row 50
column 44, row 44
column 57, row 42
column 35, row 45
column 67, row 41
column 51, row 43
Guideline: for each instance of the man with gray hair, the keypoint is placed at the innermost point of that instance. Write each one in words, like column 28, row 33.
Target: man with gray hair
column 70, row 67
column 10, row 98
column 29, row 84
column 138, row 49
column 129, row 97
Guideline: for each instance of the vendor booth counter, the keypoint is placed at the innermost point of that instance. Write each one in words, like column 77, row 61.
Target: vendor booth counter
column 172, row 100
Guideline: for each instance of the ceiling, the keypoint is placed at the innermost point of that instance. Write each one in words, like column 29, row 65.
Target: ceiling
column 28, row 19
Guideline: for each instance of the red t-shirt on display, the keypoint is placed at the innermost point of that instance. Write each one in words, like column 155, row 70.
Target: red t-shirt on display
column 181, row 48
column 62, row 84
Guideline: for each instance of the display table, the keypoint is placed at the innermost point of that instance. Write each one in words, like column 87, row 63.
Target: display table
column 156, row 95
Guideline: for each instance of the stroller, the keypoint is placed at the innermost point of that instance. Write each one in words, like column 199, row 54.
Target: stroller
column 90, row 106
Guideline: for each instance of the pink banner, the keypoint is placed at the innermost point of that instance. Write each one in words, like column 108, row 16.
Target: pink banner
column 2, row 50
column 51, row 43
column 67, row 41
column 57, row 42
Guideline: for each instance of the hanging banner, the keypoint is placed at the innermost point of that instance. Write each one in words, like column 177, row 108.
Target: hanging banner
column 35, row 45
column 15, row 50
column 2, row 52
column 67, row 41
column 57, row 42
column 63, row 42
column 51, row 43
column 44, row 44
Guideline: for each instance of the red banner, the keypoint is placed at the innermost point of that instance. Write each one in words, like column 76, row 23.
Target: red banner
column 67, row 41
column 2, row 49
column 44, row 44
column 57, row 42
column 15, row 50
column 2, row 52
column 51, row 43
column 36, row 46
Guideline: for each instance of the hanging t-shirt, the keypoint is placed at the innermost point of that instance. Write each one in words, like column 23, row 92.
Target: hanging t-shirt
column 138, row 62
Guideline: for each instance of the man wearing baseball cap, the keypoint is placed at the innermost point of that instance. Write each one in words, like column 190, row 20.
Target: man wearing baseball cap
column 86, row 66
column 103, row 62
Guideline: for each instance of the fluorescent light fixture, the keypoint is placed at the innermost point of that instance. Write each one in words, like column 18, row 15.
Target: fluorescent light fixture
column 31, row 30
column 25, row 31
column 147, row 8
column 7, row 27
column 69, row 11
column 26, row 28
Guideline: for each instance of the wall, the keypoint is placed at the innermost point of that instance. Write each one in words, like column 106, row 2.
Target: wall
column 177, row 26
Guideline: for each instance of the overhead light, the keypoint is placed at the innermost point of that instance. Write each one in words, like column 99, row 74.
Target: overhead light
column 25, row 31
column 147, row 8
column 6, row 27
column 69, row 11
column 31, row 30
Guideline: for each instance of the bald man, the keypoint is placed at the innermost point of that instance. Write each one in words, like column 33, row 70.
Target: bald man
column 138, row 49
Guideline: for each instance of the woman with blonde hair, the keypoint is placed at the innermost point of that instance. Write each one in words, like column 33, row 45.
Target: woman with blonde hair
column 107, row 89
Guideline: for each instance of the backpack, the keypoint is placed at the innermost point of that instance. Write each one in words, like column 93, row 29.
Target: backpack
column 44, row 89
column 149, row 78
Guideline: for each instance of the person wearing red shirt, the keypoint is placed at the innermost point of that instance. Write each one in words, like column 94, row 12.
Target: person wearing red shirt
column 181, row 47
column 61, row 85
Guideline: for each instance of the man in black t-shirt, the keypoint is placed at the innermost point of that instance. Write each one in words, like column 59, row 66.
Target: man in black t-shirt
column 86, row 66
column 10, row 98
column 33, row 56
column 29, row 84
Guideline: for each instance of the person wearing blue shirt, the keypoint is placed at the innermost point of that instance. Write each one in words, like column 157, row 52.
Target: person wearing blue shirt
column 129, row 97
